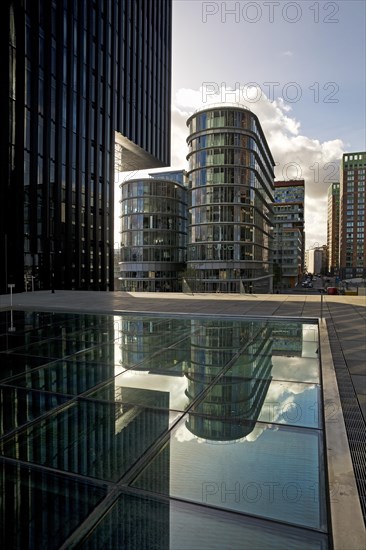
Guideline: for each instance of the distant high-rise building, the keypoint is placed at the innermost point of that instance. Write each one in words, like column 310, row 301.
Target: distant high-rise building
column 85, row 89
column 230, row 201
column 317, row 260
column 333, row 228
column 289, row 234
column 352, row 253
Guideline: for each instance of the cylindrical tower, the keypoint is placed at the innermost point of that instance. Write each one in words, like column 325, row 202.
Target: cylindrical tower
column 153, row 235
column 231, row 191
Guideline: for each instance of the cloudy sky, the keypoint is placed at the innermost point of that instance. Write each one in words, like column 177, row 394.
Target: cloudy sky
column 299, row 66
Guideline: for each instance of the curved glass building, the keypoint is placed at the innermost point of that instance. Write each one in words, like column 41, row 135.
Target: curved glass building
column 231, row 191
column 153, row 235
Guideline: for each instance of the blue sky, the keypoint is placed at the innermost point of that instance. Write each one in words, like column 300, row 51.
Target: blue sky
column 324, row 46
column 299, row 66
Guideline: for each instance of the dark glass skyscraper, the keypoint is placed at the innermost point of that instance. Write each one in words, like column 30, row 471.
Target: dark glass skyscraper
column 87, row 86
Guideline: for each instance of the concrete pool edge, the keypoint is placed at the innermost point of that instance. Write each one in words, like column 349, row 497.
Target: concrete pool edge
column 347, row 523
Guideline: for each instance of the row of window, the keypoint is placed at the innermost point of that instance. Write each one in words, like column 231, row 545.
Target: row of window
column 228, row 252
column 229, row 273
column 150, row 274
column 154, row 188
column 228, row 214
column 217, row 118
column 153, row 205
column 153, row 221
column 254, row 176
column 218, row 233
column 153, row 254
column 151, row 285
column 220, row 139
column 210, row 194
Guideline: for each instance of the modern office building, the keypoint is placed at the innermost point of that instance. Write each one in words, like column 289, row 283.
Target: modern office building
column 333, row 228
column 230, row 201
column 153, row 235
column 352, row 252
column 289, row 234
column 85, row 88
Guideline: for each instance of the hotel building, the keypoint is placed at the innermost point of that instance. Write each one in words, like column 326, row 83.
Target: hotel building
column 230, row 196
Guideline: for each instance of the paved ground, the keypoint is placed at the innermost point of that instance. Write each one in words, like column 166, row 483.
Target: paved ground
column 345, row 316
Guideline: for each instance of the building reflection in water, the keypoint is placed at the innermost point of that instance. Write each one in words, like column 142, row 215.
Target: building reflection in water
column 287, row 339
column 141, row 338
column 226, row 367
column 240, row 391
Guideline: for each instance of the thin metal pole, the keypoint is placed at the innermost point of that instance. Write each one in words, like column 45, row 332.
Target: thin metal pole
column 12, row 327
column 321, row 305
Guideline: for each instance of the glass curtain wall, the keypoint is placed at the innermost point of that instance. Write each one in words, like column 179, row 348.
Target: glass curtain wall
column 153, row 235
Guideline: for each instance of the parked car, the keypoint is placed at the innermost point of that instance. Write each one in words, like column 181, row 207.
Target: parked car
column 307, row 284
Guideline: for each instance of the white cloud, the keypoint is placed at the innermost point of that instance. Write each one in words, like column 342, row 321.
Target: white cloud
column 296, row 155
column 288, row 53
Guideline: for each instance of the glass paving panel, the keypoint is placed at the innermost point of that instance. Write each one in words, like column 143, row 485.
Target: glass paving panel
column 19, row 406
column 101, row 440
column 268, row 361
column 40, row 509
column 142, row 388
column 170, row 361
column 222, row 414
column 264, row 399
column 11, row 340
column 297, row 369
column 145, row 523
column 261, row 469
column 107, row 354
column 12, row 364
column 55, row 348
column 71, row 377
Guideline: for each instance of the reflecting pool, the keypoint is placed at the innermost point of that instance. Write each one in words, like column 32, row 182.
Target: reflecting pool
column 122, row 431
